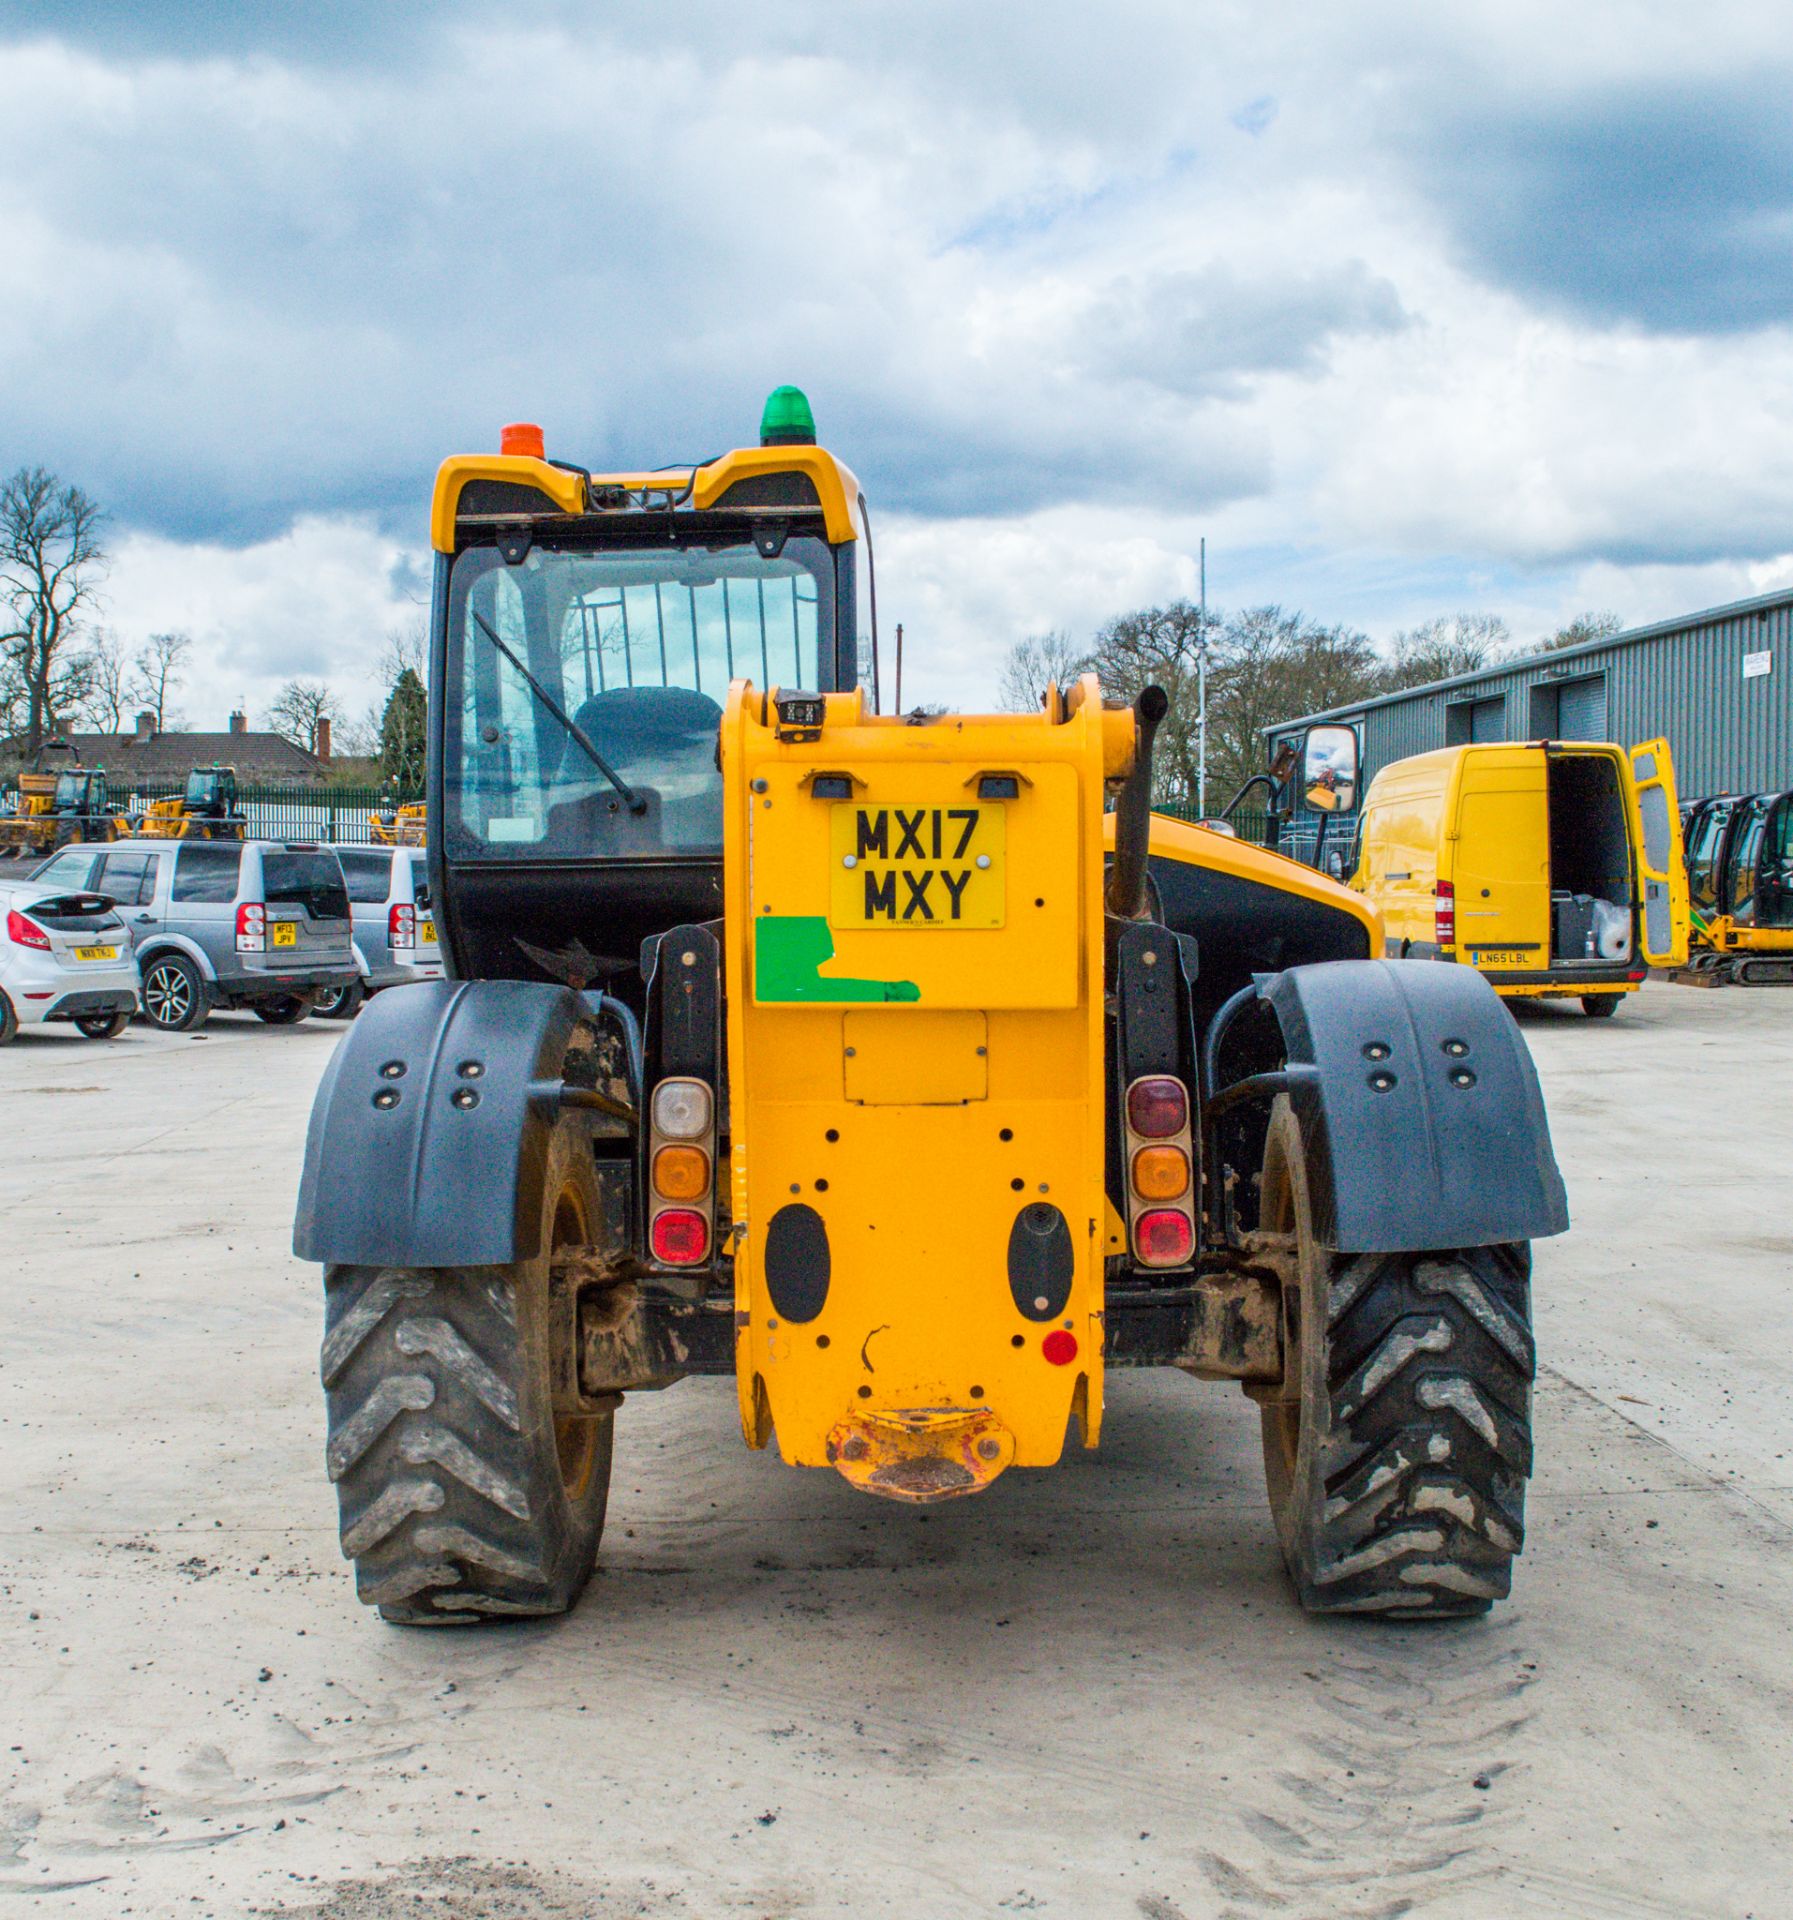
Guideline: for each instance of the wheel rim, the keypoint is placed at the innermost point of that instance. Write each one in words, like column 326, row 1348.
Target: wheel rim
column 329, row 1000
column 575, row 1435
column 168, row 994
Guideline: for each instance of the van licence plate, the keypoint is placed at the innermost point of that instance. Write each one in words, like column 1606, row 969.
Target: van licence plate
column 96, row 953
column 915, row 867
column 1498, row 957
column 286, row 933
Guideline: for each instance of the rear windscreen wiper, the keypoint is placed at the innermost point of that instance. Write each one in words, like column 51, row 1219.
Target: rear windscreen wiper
column 574, row 731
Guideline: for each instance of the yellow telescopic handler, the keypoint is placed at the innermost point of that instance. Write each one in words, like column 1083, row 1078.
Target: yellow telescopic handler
column 905, row 1068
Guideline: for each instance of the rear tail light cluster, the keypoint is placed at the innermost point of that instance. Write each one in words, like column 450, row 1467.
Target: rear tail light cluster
column 1160, row 1172
column 681, row 1172
column 401, row 926
column 252, row 927
column 26, row 933
column 1444, row 914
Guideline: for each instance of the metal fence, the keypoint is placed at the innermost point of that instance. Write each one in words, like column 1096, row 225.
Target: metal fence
column 339, row 816
column 1247, row 824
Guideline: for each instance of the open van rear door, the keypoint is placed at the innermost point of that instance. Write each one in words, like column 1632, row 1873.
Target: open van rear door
column 1660, row 855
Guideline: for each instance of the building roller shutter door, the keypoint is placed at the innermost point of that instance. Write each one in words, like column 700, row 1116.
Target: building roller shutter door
column 1581, row 709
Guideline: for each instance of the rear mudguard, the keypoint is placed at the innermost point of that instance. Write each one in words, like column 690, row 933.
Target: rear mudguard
column 1442, row 1141
column 429, row 1133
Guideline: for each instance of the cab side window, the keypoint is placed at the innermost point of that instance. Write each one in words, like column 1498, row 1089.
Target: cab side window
column 369, row 875
column 130, row 878
column 1701, row 880
column 70, row 870
column 206, row 871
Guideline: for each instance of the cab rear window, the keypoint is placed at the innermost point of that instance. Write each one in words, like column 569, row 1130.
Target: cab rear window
column 309, row 880
column 76, row 913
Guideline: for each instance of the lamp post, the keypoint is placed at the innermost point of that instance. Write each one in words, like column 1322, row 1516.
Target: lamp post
column 1201, row 701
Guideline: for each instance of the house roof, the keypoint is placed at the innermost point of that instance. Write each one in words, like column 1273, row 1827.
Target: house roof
column 170, row 756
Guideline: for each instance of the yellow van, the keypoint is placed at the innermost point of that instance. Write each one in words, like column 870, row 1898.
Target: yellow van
column 1550, row 867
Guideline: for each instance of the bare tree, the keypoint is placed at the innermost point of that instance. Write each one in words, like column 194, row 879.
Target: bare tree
column 406, row 649
column 157, row 669
column 51, row 561
column 359, row 738
column 1584, row 627
column 1033, row 664
column 297, row 709
column 1442, row 648
column 107, row 696
column 1265, row 665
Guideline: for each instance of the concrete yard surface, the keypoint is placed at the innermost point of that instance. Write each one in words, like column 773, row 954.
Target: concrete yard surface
column 1087, row 1693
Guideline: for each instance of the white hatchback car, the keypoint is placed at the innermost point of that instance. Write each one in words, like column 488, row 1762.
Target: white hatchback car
column 64, row 956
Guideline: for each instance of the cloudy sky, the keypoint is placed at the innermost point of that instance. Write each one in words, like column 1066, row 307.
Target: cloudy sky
column 1407, row 309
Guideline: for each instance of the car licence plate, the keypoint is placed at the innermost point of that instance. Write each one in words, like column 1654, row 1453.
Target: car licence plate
column 916, row 867
column 426, row 932
column 286, row 933
column 96, row 953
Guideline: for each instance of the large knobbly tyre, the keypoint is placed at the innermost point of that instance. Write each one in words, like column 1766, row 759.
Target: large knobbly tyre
column 1397, row 1477
column 461, row 1493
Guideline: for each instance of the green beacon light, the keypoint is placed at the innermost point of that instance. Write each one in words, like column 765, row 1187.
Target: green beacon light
column 787, row 420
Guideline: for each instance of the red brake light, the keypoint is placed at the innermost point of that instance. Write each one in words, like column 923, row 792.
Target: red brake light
column 25, row 933
column 522, row 436
column 1444, row 914
column 1163, row 1238
column 252, row 927
column 681, row 1237
column 401, row 926
column 1157, row 1107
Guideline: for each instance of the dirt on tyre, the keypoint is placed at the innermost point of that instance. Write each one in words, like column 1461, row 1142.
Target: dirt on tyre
column 174, row 996
column 1398, row 1454
column 462, row 1495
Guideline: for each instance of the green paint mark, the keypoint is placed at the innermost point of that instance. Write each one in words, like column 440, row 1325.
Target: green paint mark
column 789, row 952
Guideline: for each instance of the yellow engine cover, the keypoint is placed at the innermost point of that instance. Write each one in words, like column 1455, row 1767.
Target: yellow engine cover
column 915, row 1052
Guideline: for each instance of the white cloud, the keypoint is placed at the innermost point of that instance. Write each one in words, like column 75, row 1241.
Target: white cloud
column 315, row 603
column 1067, row 290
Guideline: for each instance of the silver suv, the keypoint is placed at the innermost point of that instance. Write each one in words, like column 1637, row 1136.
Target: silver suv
column 262, row 924
column 395, row 935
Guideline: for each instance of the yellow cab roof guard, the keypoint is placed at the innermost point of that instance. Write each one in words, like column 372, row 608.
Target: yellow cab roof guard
column 786, row 473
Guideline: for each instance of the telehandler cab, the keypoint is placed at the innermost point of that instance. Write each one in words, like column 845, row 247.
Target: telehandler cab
column 55, row 804
column 205, row 809
column 867, row 1059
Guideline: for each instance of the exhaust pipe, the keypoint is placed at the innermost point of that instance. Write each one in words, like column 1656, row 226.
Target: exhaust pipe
column 1133, row 812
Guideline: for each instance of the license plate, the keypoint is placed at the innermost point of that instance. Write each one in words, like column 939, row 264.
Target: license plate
column 916, row 867
column 286, row 933
column 1498, row 957
column 426, row 932
column 96, row 953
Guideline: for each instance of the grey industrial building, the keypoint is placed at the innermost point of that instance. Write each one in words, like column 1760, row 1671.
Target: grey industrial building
column 1718, row 686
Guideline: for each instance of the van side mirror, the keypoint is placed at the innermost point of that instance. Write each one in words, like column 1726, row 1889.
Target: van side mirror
column 1329, row 769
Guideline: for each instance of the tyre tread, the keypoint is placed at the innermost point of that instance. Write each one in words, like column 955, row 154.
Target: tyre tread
column 1431, row 1360
column 439, row 1468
